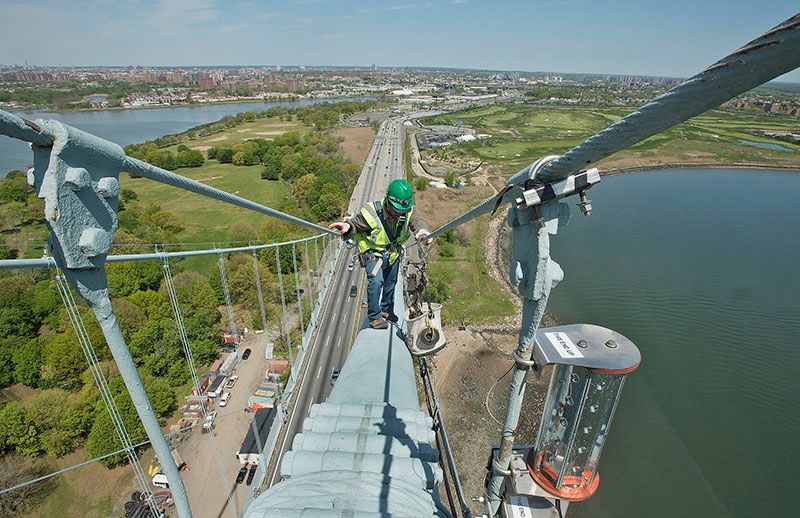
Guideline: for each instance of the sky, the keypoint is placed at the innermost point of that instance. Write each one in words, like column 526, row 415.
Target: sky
column 676, row 38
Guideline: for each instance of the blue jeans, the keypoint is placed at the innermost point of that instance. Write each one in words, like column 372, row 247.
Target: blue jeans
column 383, row 281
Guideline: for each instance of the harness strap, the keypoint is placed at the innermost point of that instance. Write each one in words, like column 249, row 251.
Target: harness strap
column 389, row 231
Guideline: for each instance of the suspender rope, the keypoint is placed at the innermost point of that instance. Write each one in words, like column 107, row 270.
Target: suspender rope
column 297, row 291
column 187, row 351
column 283, row 308
column 227, row 293
column 105, row 392
column 259, row 293
column 310, row 295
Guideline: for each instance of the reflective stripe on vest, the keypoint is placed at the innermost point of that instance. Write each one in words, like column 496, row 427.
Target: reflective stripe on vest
column 378, row 239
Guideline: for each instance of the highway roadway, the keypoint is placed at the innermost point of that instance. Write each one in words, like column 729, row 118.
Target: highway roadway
column 342, row 315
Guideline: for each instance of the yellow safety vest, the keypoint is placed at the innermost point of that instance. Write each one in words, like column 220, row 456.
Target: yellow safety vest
column 378, row 240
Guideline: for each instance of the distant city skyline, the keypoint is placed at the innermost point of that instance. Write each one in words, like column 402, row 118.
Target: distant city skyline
column 622, row 37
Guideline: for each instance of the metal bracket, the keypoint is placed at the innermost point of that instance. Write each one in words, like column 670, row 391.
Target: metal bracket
column 522, row 363
column 535, row 193
column 498, row 470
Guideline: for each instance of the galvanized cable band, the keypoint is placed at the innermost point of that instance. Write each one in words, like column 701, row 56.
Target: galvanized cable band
column 500, row 471
column 521, row 362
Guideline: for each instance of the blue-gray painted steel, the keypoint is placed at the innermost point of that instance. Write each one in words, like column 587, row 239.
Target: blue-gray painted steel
column 374, row 454
column 22, row 129
column 77, row 176
column 534, row 274
column 49, row 262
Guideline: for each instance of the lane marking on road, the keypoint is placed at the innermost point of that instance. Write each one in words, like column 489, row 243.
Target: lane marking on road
column 319, row 371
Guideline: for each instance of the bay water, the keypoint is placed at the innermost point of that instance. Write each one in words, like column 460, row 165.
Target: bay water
column 701, row 269
column 135, row 125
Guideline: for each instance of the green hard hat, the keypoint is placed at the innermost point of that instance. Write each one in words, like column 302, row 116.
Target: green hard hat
column 400, row 195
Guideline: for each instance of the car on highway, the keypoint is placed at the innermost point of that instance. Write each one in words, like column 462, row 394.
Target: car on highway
column 353, row 290
column 350, row 267
column 241, row 475
column 246, row 354
column 334, row 376
column 223, row 401
column 231, row 381
column 251, row 474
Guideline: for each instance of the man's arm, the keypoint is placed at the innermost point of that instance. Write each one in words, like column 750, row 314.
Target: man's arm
column 357, row 224
column 419, row 228
column 417, row 222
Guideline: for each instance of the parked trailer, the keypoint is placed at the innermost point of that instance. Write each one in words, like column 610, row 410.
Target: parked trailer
column 216, row 387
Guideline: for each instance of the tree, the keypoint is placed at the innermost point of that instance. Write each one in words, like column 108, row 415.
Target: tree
column 103, row 437
column 270, row 172
column 421, row 184
column 451, row 179
column 127, row 195
column 17, row 431
column 161, row 396
column 189, row 158
column 225, row 155
column 27, row 358
column 61, row 419
column 128, row 277
column 63, row 362
column 7, row 347
column 304, row 184
column 14, row 187
column 16, row 316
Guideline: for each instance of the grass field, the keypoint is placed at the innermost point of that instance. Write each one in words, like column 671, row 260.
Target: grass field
column 522, row 133
column 261, row 128
column 473, row 294
column 204, row 219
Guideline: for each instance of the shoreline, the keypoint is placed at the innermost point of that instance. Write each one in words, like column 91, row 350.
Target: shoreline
column 550, row 318
column 704, row 165
column 182, row 105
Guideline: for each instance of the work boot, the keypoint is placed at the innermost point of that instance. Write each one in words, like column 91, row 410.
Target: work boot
column 388, row 315
column 378, row 323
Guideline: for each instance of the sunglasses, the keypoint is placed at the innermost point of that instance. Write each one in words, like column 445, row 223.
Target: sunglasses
column 403, row 203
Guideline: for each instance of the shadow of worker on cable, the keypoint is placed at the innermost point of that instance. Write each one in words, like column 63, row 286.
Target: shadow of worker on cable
column 379, row 229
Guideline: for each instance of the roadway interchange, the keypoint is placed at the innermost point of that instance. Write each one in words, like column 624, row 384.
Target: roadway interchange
column 342, row 315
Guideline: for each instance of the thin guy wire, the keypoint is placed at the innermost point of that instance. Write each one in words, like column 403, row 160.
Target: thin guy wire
column 297, row 291
column 105, row 392
column 283, row 307
column 173, row 297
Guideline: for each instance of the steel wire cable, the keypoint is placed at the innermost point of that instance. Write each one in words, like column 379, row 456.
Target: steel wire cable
column 297, row 291
column 105, row 392
column 283, row 307
column 187, row 351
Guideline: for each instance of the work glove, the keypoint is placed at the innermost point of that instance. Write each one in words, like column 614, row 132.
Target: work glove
column 422, row 234
column 342, row 226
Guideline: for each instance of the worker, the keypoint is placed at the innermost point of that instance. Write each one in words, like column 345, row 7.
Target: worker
column 380, row 229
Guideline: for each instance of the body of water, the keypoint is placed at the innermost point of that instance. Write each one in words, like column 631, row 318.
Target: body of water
column 133, row 126
column 765, row 145
column 700, row 269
